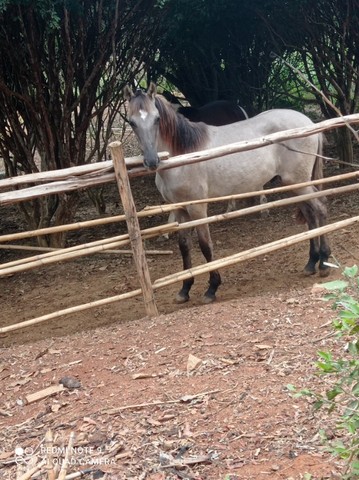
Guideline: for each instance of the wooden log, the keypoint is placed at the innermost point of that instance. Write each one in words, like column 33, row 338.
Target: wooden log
column 32, row 471
column 76, row 252
column 49, row 455
column 32, row 248
column 240, row 196
column 71, row 310
column 63, row 174
column 133, row 228
column 104, row 244
column 267, row 206
column 27, row 248
column 159, row 209
column 65, row 253
column 204, row 155
column 95, row 247
column 69, row 185
column 60, row 228
column 46, row 392
column 254, row 252
column 66, row 462
column 85, row 224
column 192, row 272
column 187, row 159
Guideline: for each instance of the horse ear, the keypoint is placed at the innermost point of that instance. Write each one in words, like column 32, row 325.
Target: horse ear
column 127, row 93
column 152, row 90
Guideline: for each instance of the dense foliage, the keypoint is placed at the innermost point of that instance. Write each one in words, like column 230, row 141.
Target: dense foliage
column 63, row 64
column 213, row 50
column 341, row 399
column 325, row 34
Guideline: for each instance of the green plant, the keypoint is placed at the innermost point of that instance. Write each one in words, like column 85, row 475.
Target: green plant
column 342, row 398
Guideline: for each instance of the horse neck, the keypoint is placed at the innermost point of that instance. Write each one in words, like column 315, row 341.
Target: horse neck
column 177, row 134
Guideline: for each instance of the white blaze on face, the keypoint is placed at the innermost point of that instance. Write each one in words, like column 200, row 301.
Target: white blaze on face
column 143, row 114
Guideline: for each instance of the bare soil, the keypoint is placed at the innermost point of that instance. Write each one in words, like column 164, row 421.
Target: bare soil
column 142, row 411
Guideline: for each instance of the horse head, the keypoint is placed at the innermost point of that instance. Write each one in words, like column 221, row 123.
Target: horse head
column 144, row 119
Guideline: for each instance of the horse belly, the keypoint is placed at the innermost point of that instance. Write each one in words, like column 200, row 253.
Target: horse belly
column 241, row 172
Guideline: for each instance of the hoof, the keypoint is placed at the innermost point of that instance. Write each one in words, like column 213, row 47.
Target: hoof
column 324, row 272
column 181, row 298
column 209, row 299
column 309, row 271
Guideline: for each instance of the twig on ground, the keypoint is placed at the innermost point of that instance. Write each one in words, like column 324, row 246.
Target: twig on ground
column 184, row 399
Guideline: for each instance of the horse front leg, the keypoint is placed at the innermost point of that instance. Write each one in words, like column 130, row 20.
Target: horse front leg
column 185, row 246
column 205, row 243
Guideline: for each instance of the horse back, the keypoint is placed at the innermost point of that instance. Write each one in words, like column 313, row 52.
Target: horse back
column 216, row 113
column 221, row 112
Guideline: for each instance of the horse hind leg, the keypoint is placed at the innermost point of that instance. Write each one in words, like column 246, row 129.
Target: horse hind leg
column 231, row 206
column 250, row 202
column 171, row 219
column 324, row 248
column 315, row 214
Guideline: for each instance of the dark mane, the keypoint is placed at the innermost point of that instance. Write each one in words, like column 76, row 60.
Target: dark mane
column 183, row 135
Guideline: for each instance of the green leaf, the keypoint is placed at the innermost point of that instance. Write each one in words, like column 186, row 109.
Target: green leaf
column 340, row 285
column 331, row 394
column 354, row 331
column 351, row 272
column 326, row 368
column 327, row 356
column 352, row 409
column 306, row 392
column 355, row 468
column 318, row 404
column 347, row 315
column 353, row 347
column 329, row 296
column 291, row 387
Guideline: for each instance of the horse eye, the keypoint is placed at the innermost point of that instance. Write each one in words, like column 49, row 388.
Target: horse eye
column 157, row 120
column 132, row 123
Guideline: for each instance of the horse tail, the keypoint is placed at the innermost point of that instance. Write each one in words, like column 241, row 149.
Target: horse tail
column 317, row 174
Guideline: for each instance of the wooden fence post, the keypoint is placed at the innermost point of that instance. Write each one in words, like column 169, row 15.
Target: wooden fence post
column 133, row 228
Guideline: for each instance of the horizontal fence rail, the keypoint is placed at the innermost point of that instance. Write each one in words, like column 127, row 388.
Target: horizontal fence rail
column 102, row 172
column 192, row 272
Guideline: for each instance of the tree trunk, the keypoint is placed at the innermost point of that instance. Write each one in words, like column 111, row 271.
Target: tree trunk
column 50, row 211
column 65, row 213
column 345, row 145
column 97, row 197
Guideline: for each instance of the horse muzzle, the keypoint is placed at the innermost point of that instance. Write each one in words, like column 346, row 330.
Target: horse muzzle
column 151, row 162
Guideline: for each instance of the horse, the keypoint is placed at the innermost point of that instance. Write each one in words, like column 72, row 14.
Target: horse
column 218, row 112
column 158, row 127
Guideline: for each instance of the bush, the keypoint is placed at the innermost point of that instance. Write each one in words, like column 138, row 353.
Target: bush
column 342, row 399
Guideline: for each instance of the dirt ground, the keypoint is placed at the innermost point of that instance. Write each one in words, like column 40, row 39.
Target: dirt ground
column 143, row 411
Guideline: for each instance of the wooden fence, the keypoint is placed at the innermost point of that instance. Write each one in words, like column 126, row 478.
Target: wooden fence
column 120, row 170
